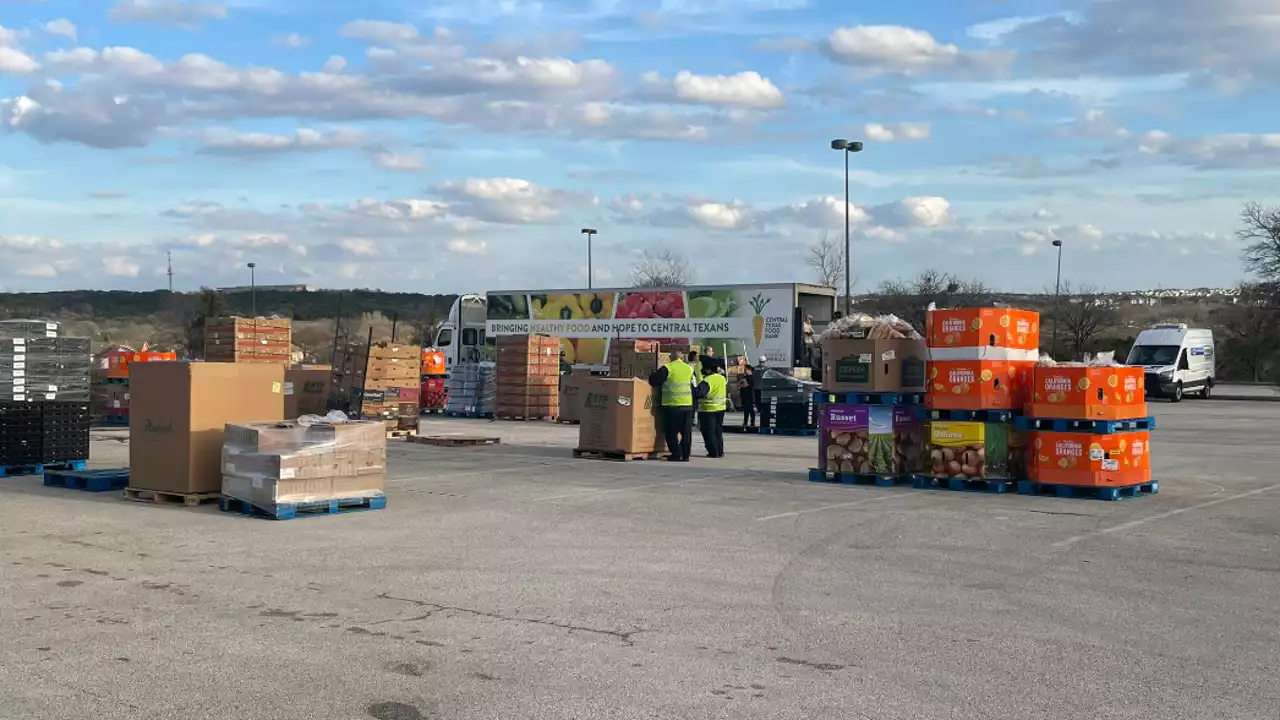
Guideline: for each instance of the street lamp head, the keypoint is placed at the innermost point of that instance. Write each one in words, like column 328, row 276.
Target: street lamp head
column 588, row 231
column 1057, row 243
column 846, row 145
column 252, row 265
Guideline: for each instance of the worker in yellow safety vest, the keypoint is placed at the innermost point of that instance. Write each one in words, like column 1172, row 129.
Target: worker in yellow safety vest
column 676, row 381
column 714, row 390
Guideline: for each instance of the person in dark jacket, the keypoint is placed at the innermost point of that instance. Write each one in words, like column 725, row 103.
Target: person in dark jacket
column 675, row 379
column 747, row 396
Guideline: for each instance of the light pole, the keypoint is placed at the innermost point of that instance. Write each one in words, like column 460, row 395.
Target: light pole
column 253, row 289
column 1057, row 298
column 846, row 147
column 588, row 232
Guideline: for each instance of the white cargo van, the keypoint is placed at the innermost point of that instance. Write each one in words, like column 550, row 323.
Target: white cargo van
column 1178, row 360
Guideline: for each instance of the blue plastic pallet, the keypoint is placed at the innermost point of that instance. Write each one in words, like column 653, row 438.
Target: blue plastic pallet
column 1090, row 426
column 962, row 484
column 803, row 432
column 998, row 416
column 869, row 398
column 1027, row 487
column 116, row 381
column 816, row 475
column 112, row 420
column 88, row 480
column 468, row 414
column 289, row 511
column 39, row 468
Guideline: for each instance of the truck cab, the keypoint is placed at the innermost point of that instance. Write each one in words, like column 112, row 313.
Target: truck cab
column 1177, row 360
column 461, row 336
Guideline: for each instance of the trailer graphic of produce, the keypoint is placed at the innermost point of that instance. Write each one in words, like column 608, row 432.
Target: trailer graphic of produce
column 758, row 304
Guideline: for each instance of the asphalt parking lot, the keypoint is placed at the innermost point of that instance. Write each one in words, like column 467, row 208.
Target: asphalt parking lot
column 517, row 582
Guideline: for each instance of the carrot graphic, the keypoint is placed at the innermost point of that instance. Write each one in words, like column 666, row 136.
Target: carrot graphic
column 757, row 323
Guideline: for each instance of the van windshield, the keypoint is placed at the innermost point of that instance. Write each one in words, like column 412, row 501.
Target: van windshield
column 1147, row 355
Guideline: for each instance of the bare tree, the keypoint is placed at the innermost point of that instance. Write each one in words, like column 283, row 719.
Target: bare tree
column 826, row 259
column 1083, row 316
column 1261, row 233
column 908, row 298
column 666, row 268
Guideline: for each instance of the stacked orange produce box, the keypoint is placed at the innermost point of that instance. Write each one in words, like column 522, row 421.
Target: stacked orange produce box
column 242, row 339
column 1089, row 432
column 528, row 377
column 980, row 362
column 433, row 396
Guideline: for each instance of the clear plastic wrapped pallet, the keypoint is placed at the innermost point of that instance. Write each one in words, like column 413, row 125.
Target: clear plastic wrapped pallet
column 311, row 459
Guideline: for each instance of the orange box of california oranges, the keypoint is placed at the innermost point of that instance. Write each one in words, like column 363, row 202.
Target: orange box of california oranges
column 1071, row 458
column 1087, row 393
column 984, row 327
column 979, row 384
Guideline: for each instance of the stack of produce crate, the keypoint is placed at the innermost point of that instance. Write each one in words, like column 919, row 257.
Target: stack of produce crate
column 242, row 339
column 44, row 399
column 980, row 362
column 472, row 390
column 528, row 376
column 433, row 395
column 871, row 412
column 1088, row 432
column 636, row 358
column 110, row 381
column 380, row 384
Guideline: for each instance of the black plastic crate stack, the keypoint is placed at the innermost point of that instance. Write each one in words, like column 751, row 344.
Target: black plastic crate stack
column 44, row 395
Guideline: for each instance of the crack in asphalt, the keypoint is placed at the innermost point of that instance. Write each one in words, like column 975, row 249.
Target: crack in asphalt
column 624, row 636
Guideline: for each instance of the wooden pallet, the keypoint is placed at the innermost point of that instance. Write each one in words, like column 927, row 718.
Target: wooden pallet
column 401, row 432
column 160, row 497
column 513, row 416
column 567, row 421
column 616, row 456
column 454, row 440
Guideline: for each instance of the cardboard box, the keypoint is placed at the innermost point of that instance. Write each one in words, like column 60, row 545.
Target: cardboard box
column 870, row 439
column 1087, row 393
column 1072, row 458
column 975, row 451
column 306, row 390
column 619, row 415
column 178, row 415
column 571, row 395
column 984, row 328
column 632, row 364
column 873, row 365
column 979, row 384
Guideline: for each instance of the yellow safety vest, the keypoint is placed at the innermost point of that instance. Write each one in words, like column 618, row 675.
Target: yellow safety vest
column 717, row 393
column 677, row 391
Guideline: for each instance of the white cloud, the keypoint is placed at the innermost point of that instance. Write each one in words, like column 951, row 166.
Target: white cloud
column 39, row 270
column 15, row 62
column 228, row 142
column 509, row 200
column 28, row 242
column 292, row 40
column 901, row 131
column 335, row 64
column 397, row 163
column 718, row 216
column 896, row 50
column 745, row 89
column 175, row 13
column 405, row 209
column 467, row 247
column 358, row 246
column 61, row 27
column 120, row 267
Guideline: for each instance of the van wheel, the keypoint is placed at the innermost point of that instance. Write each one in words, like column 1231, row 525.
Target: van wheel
column 1177, row 393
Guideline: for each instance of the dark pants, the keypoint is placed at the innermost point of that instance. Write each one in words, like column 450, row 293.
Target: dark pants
column 677, row 427
column 712, row 426
column 748, row 398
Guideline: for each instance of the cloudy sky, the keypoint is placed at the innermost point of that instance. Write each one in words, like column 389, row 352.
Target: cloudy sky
column 461, row 147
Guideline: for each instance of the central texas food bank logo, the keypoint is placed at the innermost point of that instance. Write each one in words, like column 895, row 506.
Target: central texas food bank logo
column 758, row 304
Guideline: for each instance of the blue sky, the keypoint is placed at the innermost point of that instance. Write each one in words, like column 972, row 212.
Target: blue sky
column 462, row 146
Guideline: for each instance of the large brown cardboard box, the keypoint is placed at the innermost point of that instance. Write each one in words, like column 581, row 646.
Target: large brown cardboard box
column 571, row 395
column 873, row 365
column 178, row 411
column 306, row 390
column 619, row 415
